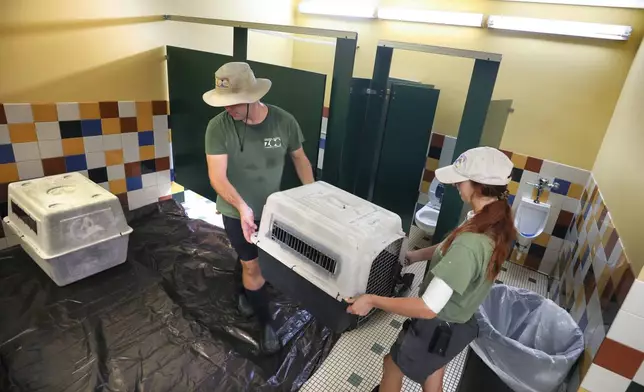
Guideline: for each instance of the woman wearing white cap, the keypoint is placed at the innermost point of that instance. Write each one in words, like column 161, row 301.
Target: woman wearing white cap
column 462, row 270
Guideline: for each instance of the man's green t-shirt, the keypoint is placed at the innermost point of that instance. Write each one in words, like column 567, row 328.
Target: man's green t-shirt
column 255, row 172
column 464, row 269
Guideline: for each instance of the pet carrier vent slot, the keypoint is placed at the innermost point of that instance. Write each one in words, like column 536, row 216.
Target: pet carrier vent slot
column 24, row 217
column 282, row 235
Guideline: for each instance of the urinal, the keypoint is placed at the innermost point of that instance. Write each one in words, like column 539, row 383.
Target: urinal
column 531, row 218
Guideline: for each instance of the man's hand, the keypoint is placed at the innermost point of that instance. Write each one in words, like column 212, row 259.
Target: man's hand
column 360, row 306
column 247, row 222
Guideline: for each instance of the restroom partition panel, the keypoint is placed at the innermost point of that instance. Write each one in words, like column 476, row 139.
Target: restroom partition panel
column 403, row 152
column 191, row 73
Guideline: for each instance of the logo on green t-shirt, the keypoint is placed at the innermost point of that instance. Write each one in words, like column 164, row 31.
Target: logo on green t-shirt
column 273, row 142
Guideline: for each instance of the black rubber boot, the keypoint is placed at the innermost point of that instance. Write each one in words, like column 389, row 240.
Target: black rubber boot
column 270, row 343
column 244, row 306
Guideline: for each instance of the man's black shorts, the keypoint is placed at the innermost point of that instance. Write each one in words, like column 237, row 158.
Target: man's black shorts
column 245, row 250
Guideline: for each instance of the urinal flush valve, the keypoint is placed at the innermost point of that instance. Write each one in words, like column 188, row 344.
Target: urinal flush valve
column 542, row 185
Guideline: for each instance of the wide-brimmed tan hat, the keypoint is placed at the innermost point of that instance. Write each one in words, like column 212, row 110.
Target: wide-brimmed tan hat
column 235, row 84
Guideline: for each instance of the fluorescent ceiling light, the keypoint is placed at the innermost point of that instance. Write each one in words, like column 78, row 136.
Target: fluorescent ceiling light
column 353, row 9
column 560, row 27
column 592, row 3
column 427, row 16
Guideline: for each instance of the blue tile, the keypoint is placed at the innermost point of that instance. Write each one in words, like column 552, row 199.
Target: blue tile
column 179, row 197
column 146, row 138
column 323, row 143
column 418, row 207
column 378, row 349
column 563, row 188
column 134, row 183
column 511, row 200
column 172, row 175
column 6, row 154
column 75, row 163
column 583, row 323
column 91, row 127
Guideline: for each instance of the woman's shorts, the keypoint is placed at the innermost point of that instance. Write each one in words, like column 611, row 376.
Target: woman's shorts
column 411, row 351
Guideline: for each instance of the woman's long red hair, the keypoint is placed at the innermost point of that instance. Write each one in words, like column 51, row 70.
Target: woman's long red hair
column 494, row 220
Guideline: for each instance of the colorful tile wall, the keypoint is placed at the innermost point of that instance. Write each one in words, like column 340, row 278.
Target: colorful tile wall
column 595, row 283
column 564, row 201
column 123, row 146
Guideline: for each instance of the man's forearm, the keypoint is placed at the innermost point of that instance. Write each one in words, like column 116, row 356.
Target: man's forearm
column 304, row 170
column 226, row 190
column 408, row 307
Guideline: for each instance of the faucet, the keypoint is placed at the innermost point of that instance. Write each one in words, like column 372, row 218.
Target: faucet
column 542, row 184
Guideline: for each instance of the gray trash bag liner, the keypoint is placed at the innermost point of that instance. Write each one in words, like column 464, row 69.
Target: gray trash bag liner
column 527, row 340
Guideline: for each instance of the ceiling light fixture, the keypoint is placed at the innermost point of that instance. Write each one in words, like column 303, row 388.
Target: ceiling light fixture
column 429, row 16
column 560, row 27
column 352, row 9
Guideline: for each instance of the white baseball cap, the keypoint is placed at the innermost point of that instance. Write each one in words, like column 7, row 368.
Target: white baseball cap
column 485, row 165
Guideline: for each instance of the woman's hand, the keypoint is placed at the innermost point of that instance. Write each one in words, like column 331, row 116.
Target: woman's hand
column 360, row 306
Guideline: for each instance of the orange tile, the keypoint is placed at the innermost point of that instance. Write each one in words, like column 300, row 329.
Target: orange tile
column 89, row 111
column 619, row 358
column 519, row 160
column 44, row 112
column 118, row 186
column 144, row 123
column 23, row 133
column 111, row 126
column 8, row 173
column 603, row 279
column 146, row 153
column 114, row 157
column 575, row 191
column 73, row 146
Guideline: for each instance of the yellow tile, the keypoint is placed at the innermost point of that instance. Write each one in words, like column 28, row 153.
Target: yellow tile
column 111, row 126
column 586, row 361
column 73, row 146
column 169, row 135
column 23, row 133
column 118, row 186
column 580, row 298
column 606, row 236
column 519, row 160
column 432, row 164
column 424, row 187
column 44, row 112
column 8, row 173
column 144, row 108
column 144, row 123
column 619, row 269
column 575, row 191
column 176, row 188
column 513, row 187
column 583, row 390
column 114, row 157
column 542, row 239
column 146, row 153
column 89, row 111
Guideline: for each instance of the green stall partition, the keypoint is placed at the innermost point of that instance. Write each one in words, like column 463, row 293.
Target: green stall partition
column 403, row 151
column 191, row 73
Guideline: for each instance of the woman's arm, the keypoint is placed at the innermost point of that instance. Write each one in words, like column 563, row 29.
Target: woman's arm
column 415, row 256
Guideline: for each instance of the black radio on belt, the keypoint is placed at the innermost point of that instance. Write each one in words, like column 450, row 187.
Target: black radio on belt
column 439, row 342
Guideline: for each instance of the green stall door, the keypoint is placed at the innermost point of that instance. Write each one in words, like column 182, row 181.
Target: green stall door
column 191, row 73
column 403, row 153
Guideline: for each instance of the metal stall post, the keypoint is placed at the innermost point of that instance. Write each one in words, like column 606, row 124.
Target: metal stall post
column 334, row 171
column 477, row 103
column 372, row 131
column 240, row 44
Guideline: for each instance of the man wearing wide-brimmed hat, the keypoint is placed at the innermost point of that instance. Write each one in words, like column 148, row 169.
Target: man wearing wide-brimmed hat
column 245, row 148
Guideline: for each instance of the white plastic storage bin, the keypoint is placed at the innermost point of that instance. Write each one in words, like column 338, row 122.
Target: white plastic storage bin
column 322, row 245
column 70, row 226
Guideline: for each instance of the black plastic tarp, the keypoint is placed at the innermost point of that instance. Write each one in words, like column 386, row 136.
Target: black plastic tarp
column 165, row 320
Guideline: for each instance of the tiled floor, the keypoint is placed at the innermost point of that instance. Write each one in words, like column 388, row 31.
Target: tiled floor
column 355, row 363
